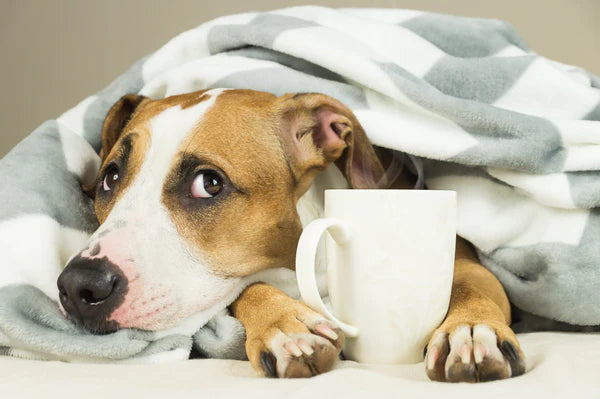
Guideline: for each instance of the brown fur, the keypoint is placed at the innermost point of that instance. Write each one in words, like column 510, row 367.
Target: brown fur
column 280, row 135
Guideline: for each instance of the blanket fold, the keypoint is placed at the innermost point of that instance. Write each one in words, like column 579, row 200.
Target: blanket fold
column 515, row 134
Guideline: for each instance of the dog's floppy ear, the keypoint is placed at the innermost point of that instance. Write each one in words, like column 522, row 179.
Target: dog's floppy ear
column 114, row 123
column 319, row 130
column 116, row 119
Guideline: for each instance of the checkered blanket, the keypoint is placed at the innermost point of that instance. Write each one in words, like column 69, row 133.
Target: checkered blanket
column 515, row 134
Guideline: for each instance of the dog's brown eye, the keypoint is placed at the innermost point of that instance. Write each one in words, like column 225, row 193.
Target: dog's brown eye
column 111, row 177
column 206, row 184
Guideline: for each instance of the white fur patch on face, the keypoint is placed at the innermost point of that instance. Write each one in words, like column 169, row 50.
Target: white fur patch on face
column 166, row 280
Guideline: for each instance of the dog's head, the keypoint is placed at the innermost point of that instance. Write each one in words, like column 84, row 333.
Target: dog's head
column 197, row 191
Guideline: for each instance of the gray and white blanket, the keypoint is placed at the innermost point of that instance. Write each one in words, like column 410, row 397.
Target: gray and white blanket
column 515, row 134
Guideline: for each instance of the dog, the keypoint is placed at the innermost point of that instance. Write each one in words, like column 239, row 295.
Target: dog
column 198, row 191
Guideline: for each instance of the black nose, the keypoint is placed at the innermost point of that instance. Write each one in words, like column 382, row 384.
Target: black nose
column 90, row 290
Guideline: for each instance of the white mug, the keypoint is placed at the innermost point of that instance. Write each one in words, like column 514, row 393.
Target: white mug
column 390, row 263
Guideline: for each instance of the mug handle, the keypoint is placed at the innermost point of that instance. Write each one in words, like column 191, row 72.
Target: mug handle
column 305, row 265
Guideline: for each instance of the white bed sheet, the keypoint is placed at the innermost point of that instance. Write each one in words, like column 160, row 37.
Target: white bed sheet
column 560, row 365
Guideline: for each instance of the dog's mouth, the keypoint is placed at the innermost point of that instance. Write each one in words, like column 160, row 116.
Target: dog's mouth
column 96, row 327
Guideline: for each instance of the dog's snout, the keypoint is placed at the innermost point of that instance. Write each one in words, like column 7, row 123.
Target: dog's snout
column 89, row 290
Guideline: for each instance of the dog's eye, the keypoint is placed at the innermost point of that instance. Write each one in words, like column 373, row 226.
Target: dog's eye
column 206, row 184
column 111, row 177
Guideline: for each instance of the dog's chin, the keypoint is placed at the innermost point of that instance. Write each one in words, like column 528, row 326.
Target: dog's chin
column 103, row 327
column 177, row 317
column 168, row 322
column 96, row 327
column 170, row 325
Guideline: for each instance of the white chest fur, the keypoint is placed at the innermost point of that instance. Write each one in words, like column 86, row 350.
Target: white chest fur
column 311, row 205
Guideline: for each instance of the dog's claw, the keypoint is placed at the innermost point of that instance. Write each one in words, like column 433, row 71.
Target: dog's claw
column 326, row 331
column 267, row 360
column 479, row 353
column 465, row 354
column 293, row 349
column 305, row 347
column 432, row 357
column 517, row 364
column 509, row 349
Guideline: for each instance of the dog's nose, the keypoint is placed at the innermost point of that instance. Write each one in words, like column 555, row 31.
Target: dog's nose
column 89, row 290
column 85, row 287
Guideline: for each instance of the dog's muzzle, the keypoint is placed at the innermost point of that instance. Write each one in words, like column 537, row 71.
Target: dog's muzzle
column 90, row 289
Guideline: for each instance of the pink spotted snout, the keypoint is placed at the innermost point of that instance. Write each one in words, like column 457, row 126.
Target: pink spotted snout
column 95, row 283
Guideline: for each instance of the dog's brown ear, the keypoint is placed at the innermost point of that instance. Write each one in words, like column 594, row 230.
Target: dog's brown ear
column 114, row 123
column 319, row 130
column 116, row 119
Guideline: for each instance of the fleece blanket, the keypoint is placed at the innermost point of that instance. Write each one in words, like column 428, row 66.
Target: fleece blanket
column 515, row 134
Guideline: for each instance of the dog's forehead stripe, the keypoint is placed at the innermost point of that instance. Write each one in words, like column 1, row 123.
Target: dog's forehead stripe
column 170, row 129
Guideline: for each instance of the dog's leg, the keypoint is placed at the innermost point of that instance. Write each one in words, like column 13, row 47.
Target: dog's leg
column 475, row 342
column 285, row 338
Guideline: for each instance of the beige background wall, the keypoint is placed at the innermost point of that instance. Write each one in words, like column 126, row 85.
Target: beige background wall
column 55, row 53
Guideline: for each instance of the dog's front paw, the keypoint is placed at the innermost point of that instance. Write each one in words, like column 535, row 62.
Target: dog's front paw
column 472, row 353
column 299, row 343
